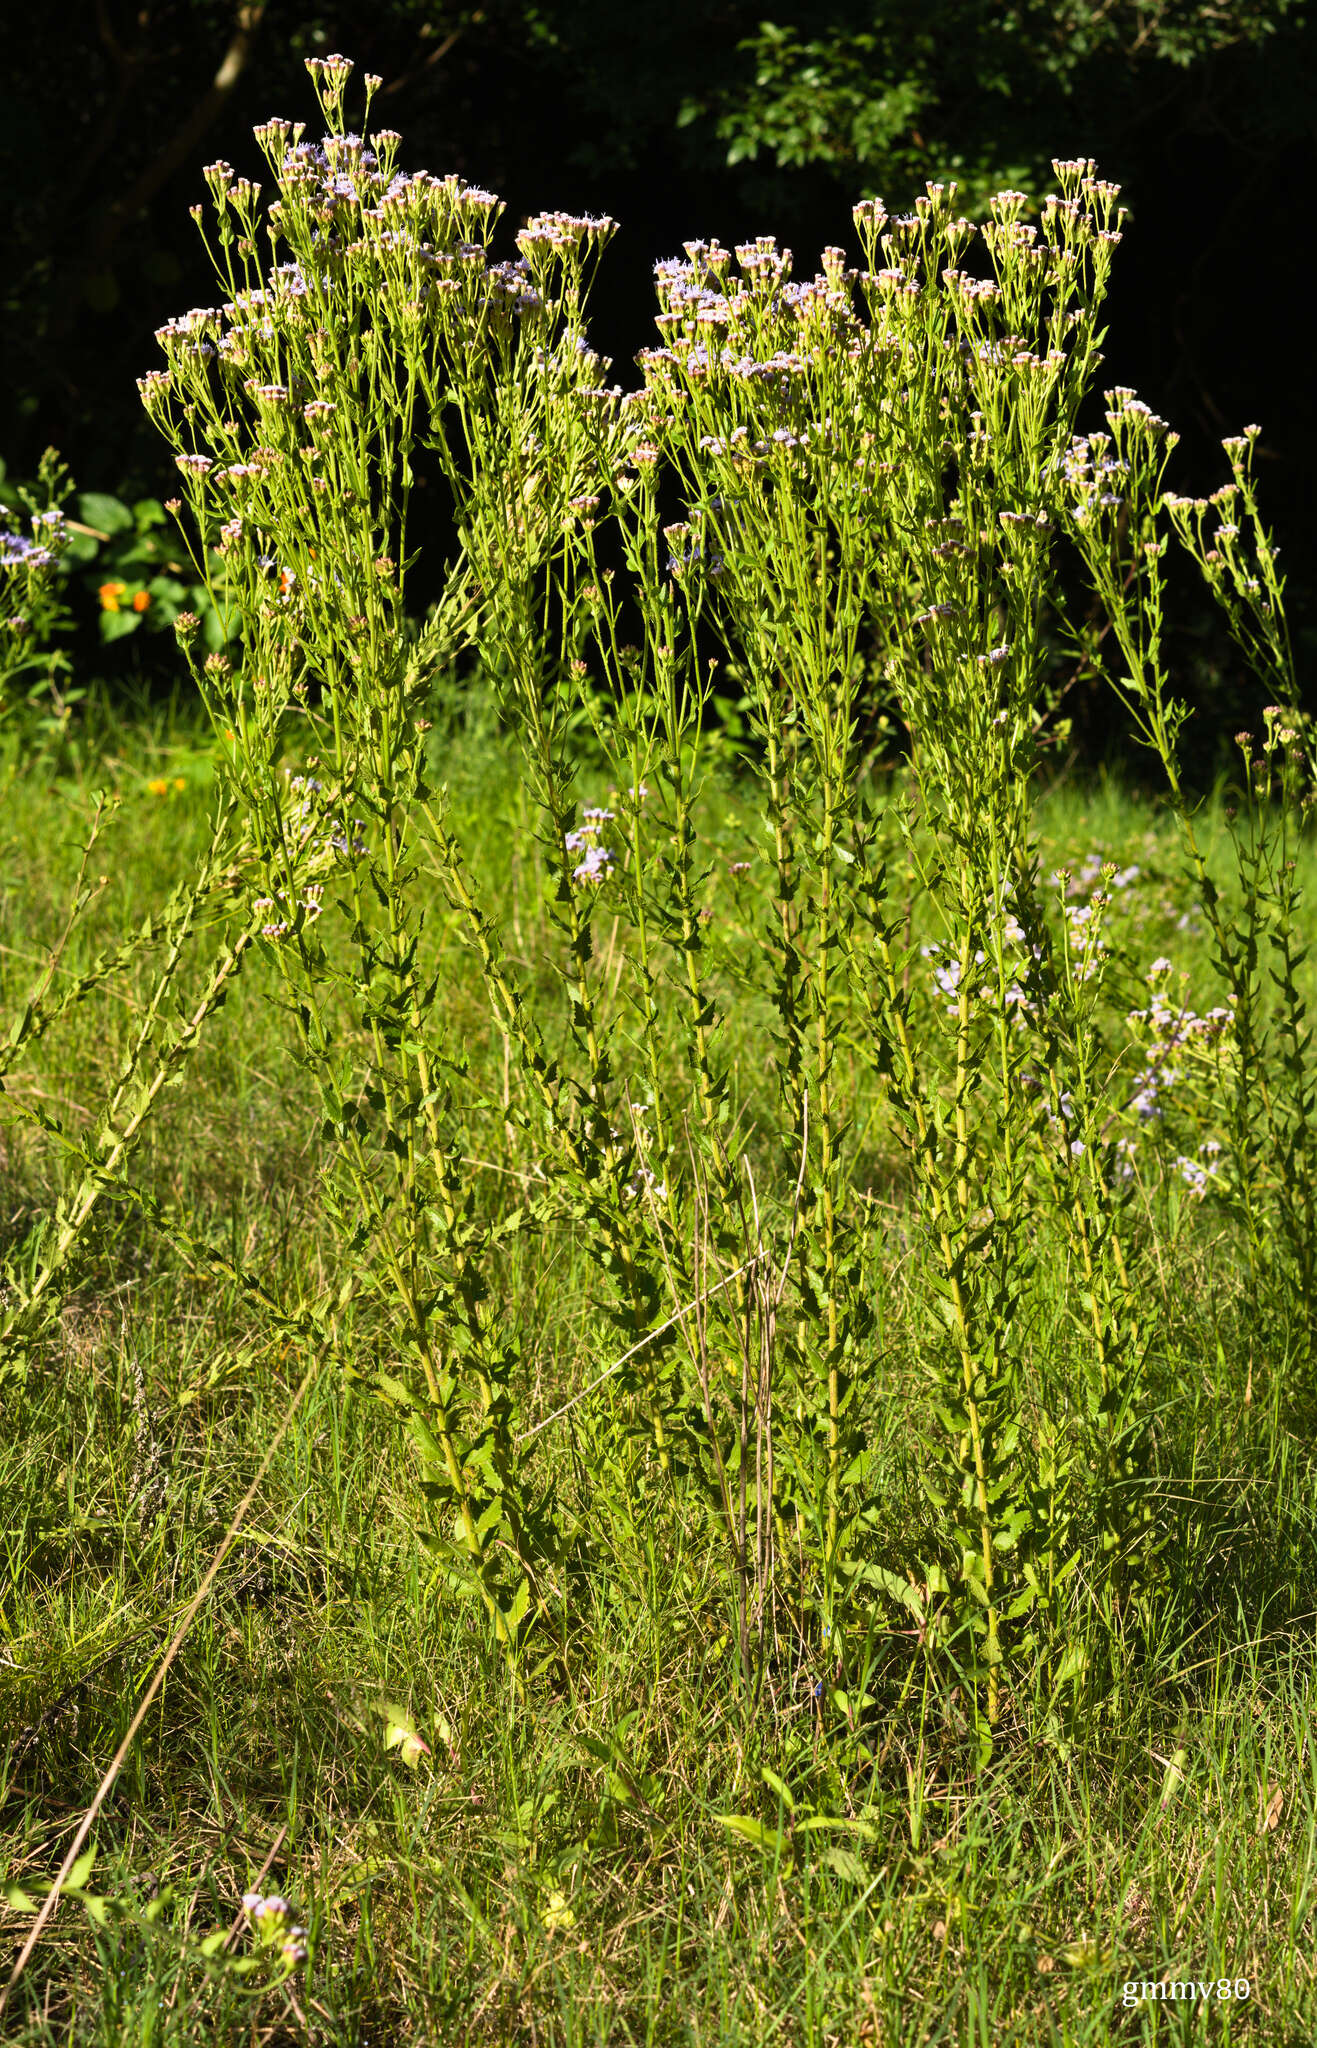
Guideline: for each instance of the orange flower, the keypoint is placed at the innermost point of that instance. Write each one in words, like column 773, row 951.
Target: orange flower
column 158, row 787
column 109, row 594
column 141, row 601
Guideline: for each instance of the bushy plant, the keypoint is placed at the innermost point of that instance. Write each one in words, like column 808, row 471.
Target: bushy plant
column 34, row 615
column 853, row 492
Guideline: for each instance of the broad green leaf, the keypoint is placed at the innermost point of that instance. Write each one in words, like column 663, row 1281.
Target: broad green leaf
column 775, row 1784
column 106, row 514
column 117, row 625
column 771, row 1840
column 1074, row 1663
column 1173, row 1776
column 557, row 1914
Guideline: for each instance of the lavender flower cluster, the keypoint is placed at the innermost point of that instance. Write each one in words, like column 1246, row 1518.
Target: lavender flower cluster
column 1173, row 1031
column 759, row 329
column 366, row 241
column 273, row 1917
column 1095, row 467
column 321, row 839
column 1170, row 1036
column 40, row 550
column 595, row 860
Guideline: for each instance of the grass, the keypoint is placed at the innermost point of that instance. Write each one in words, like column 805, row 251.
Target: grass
column 559, row 1867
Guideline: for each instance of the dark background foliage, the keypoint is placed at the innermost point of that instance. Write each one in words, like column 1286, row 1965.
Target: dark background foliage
column 694, row 118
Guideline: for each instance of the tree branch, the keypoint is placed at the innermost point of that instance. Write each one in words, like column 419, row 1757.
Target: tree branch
column 440, row 51
column 185, row 137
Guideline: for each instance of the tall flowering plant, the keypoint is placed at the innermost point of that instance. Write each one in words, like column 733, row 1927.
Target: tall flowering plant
column 381, row 330
column 1262, row 1035
column 849, row 491
column 869, row 462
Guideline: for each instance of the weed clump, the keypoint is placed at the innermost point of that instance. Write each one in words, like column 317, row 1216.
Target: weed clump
column 874, row 1141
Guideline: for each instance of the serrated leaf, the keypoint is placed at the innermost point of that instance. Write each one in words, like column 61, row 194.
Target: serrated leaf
column 895, row 1587
column 515, row 1612
column 400, row 1734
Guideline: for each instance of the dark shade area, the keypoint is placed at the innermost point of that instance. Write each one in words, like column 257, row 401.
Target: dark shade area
column 1203, row 113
